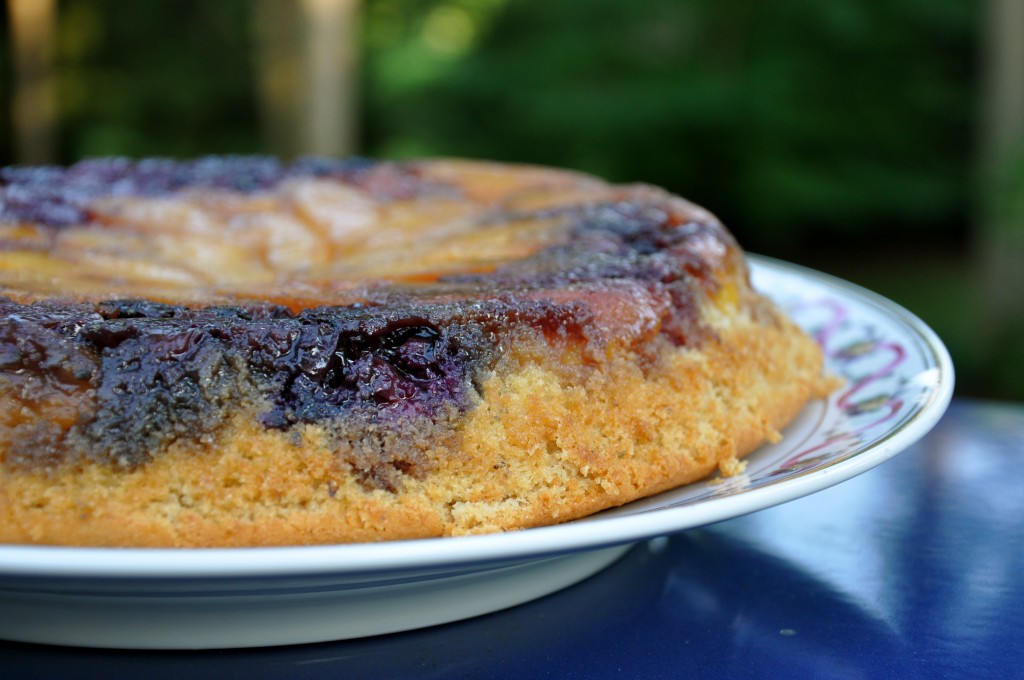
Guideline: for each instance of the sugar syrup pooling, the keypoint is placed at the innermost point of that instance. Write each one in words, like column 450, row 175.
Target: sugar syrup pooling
column 390, row 364
column 646, row 241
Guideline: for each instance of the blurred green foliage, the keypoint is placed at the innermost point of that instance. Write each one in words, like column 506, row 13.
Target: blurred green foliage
column 797, row 121
column 155, row 78
column 794, row 120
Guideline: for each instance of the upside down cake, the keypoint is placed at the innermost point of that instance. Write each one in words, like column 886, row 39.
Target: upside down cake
column 240, row 351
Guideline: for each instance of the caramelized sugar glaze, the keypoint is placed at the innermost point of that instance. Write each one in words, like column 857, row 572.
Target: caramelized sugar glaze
column 238, row 351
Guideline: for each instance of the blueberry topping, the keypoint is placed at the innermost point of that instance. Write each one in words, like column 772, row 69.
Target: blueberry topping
column 59, row 197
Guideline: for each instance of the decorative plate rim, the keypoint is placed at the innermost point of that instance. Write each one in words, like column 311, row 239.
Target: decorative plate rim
column 493, row 550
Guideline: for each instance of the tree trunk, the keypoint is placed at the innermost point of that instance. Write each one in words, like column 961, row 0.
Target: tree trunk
column 1000, row 228
column 307, row 69
column 34, row 99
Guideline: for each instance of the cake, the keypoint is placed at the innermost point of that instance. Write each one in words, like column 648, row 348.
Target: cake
column 241, row 351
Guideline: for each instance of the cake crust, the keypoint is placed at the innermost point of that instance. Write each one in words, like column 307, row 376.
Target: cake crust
column 239, row 352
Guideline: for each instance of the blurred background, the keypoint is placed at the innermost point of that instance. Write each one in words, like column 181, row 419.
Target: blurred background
column 880, row 142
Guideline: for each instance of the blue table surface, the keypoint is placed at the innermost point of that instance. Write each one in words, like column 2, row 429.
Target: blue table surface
column 912, row 570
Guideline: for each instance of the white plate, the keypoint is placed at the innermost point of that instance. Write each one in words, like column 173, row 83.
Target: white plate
column 899, row 380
